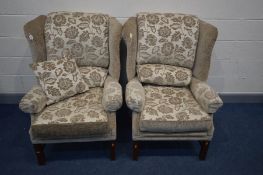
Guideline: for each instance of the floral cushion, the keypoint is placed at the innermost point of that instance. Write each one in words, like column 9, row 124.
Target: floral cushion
column 171, row 109
column 164, row 74
column 59, row 79
column 34, row 101
column 83, row 36
column 167, row 38
column 94, row 76
column 78, row 116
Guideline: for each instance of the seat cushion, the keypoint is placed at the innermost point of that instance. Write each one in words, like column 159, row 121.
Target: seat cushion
column 94, row 76
column 171, row 109
column 160, row 74
column 167, row 38
column 83, row 36
column 79, row 116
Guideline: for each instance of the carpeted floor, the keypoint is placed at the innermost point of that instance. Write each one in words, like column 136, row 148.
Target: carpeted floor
column 237, row 148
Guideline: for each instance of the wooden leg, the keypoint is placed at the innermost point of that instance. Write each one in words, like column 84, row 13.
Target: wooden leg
column 204, row 149
column 113, row 153
column 135, row 151
column 39, row 151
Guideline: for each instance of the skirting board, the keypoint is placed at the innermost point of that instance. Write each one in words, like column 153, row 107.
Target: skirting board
column 226, row 97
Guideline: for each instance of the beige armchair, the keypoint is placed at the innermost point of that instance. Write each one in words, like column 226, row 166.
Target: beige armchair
column 93, row 41
column 168, row 60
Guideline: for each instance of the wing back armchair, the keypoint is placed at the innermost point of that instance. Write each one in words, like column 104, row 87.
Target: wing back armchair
column 168, row 60
column 93, row 41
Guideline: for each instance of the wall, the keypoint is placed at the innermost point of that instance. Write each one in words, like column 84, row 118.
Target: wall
column 237, row 57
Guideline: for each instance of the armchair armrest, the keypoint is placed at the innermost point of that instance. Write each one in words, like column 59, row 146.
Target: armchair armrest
column 112, row 95
column 205, row 96
column 34, row 101
column 135, row 95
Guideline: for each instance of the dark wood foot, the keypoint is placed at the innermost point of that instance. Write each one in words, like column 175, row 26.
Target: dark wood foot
column 135, row 151
column 204, row 149
column 39, row 151
column 113, row 153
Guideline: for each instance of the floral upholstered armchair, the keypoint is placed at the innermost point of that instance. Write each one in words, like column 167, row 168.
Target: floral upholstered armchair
column 168, row 60
column 76, row 60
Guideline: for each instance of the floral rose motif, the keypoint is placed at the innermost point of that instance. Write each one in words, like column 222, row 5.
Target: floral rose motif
column 53, row 91
column 65, row 83
column 71, row 32
column 48, row 66
column 151, row 111
column 152, row 18
column 151, row 39
column 69, row 66
column 46, row 116
column 63, row 112
column 176, row 36
column 167, row 91
column 97, row 19
column 167, row 48
column 80, row 103
column 80, row 87
column 95, row 76
column 164, row 31
column 97, row 41
column 59, row 20
column 165, row 109
column 58, row 43
column 84, row 36
column 175, row 100
column 189, row 21
column 187, row 43
column 77, row 50
column 93, row 114
column 169, row 77
column 181, row 116
column 181, row 75
column 146, row 72
column 77, row 118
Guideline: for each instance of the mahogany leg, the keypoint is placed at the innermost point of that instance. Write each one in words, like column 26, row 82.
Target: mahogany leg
column 39, row 151
column 113, row 152
column 135, row 151
column 204, row 149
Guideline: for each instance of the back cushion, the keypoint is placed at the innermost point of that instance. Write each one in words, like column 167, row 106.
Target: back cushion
column 164, row 74
column 83, row 36
column 167, row 38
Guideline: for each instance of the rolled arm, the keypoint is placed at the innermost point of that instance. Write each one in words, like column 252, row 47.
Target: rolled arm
column 205, row 96
column 135, row 95
column 112, row 95
column 34, row 101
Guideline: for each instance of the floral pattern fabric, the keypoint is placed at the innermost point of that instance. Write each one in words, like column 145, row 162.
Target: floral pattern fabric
column 59, row 79
column 167, row 38
column 82, row 36
column 164, row 74
column 112, row 95
column 34, row 101
column 170, row 104
column 206, row 96
column 93, row 76
column 85, row 108
column 135, row 95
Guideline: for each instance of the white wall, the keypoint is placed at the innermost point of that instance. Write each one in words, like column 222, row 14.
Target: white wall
column 237, row 58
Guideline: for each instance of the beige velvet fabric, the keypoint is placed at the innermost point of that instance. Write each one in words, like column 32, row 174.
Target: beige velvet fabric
column 135, row 95
column 34, row 33
column 34, row 101
column 112, row 95
column 207, row 37
column 129, row 34
column 115, row 29
column 206, row 96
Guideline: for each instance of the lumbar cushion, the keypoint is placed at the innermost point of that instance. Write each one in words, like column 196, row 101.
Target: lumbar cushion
column 160, row 74
column 94, row 76
column 59, row 79
column 83, row 36
column 167, row 39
